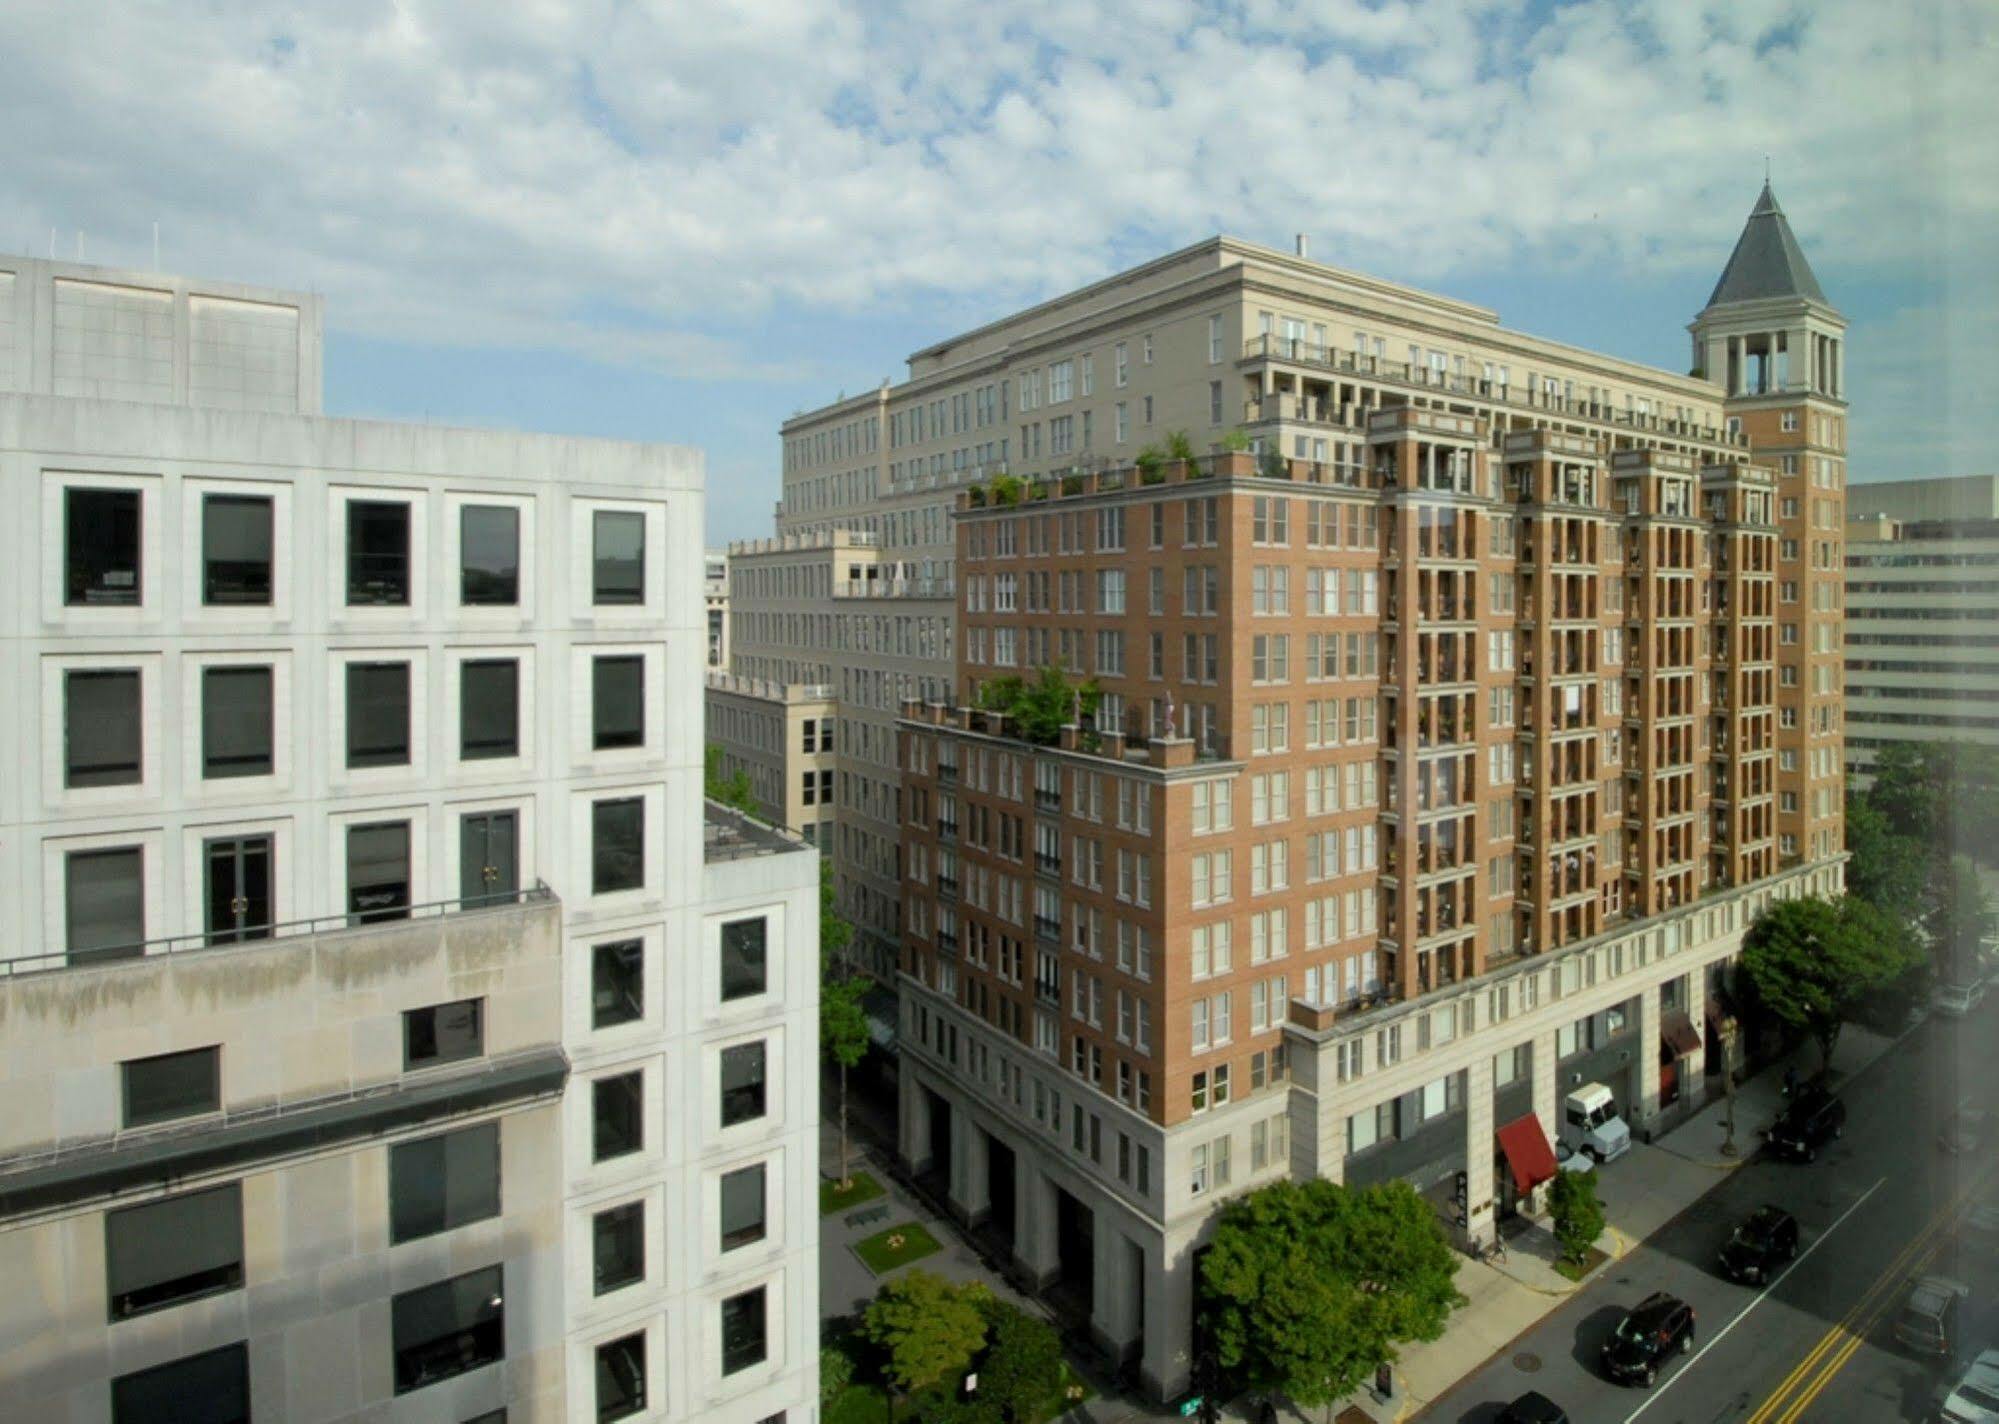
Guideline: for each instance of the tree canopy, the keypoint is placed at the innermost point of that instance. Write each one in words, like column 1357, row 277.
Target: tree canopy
column 1886, row 867
column 1022, row 1368
column 1959, row 919
column 1578, row 1215
column 1811, row 961
column 928, row 1328
column 733, row 790
column 1310, row 1285
column 1042, row 707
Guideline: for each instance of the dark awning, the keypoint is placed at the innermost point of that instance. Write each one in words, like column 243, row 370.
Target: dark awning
column 1678, row 1033
column 1527, row 1151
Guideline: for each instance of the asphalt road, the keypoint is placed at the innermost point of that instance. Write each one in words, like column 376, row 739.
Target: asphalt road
column 1815, row 1346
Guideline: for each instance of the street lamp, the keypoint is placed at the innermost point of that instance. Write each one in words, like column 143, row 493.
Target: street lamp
column 1728, row 1084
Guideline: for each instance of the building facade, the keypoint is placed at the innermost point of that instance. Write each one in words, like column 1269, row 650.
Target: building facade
column 1445, row 750
column 1922, row 636
column 715, row 577
column 779, row 734
column 374, row 1000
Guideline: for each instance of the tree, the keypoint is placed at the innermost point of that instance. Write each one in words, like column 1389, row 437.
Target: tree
column 1022, row 1368
column 1810, row 961
column 843, row 1022
column 1180, row 446
column 1885, row 867
column 732, row 790
column 1041, row 708
column 836, row 931
column 836, row 1372
column 1310, row 1285
column 1577, row 1213
column 1960, row 918
column 928, row 1328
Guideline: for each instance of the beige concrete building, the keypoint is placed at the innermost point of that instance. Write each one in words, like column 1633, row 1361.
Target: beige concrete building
column 1446, row 746
column 781, row 735
column 715, row 586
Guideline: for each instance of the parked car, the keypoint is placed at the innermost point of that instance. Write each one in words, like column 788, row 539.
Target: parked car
column 1533, row 1407
column 1974, row 1397
column 1964, row 1132
column 1656, row 1327
column 1981, row 1225
column 1570, row 1160
column 1760, row 1245
column 1957, row 1000
column 1930, row 1320
column 1814, row 1117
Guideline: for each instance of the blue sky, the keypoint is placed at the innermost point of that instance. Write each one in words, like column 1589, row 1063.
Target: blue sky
column 686, row 219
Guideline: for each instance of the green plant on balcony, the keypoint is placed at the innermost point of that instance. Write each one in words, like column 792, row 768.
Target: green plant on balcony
column 1072, row 483
column 1039, row 709
column 1179, row 446
column 1038, row 489
column 1273, row 465
column 1006, row 489
column 977, row 495
column 1236, row 441
column 1150, row 463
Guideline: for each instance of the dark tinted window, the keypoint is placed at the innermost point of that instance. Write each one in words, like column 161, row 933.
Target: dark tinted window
column 617, row 845
column 621, row 1378
column 617, row 983
column 489, row 709
column 236, row 549
column 378, row 552
column 743, row 1342
column 618, row 1239
column 617, row 702
column 442, row 1182
column 443, row 1033
column 210, row 1388
column 742, row 1083
column 179, row 1249
column 378, row 714
column 619, row 557
column 448, row 1329
column 101, row 533
column 105, row 896
column 236, row 721
column 101, row 721
column 744, row 962
column 617, row 1116
column 171, row 1085
column 378, row 870
column 489, row 554
column 742, row 1207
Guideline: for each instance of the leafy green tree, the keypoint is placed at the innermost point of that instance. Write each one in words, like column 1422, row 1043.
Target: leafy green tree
column 1041, row 708
column 1811, row 961
column 732, row 790
column 928, row 1328
column 1912, row 788
column 1236, row 441
column 836, row 931
column 1959, row 919
column 1885, row 867
column 1022, row 1368
column 1577, row 1213
column 1179, row 446
column 1310, row 1285
column 836, row 1372
column 843, row 1038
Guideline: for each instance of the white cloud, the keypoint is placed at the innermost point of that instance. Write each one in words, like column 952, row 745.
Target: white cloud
column 495, row 174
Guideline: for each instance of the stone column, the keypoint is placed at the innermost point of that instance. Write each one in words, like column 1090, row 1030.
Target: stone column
column 1480, row 1144
column 1547, row 1101
column 913, row 1120
column 1648, row 1054
column 1033, row 1219
column 1168, row 1359
column 1114, row 1307
column 969, row 1199
column 1694, row 1065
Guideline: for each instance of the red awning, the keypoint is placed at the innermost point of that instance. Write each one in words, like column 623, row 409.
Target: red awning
column 1677, row 1030
column 1527, row 1152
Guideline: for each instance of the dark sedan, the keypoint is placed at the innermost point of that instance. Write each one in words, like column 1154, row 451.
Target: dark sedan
column 1658, row 1326
column 1760, row 1246
column 1533, row 1407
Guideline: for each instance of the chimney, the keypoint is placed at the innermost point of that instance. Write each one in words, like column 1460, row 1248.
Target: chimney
column 1303, row 246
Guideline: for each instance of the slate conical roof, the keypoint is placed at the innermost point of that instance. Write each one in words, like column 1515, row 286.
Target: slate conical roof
column 1767, row 261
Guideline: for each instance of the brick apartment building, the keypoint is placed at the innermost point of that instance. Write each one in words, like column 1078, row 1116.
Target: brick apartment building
column 1450, row 737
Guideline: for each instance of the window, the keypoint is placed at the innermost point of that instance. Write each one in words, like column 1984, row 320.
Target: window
column 448, row 1329
column 621, row 1378
column 213, row 1387
column 101, row 736
column 742, row 1083
column 378, row 871
column 618, row 702
column 101, row 538
column 167, row 1252
column 489, row 555
column 618, row 1247
column 618, row 557
column 236, row 722
column 742, row 1207
column 378, row 714
column 378, row 553
column 236, row 550
column 444, row 1182
column 444, row 1033
column 617, row 983
column 617, row 1116
column 745, row 958
column 489, row 710
column 172, row 1085
column 105, row 900
column 617, row 845
column 743, row 1331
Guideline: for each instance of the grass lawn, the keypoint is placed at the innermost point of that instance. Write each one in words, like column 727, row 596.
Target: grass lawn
column 1594, row 1259
column 857, row 1404
column 879, row 1256
column 832, row 1199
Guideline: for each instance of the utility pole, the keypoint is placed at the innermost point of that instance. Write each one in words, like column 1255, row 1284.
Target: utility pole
column 1728, row 1085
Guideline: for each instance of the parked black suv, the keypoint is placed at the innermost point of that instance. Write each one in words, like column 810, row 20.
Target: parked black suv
column 1659, row 1325
column 1533, row 1407
column 1760, row 1245
column 1814, row 1118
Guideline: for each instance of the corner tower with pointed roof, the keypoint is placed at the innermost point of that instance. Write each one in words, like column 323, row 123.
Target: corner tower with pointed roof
column 1777, row 347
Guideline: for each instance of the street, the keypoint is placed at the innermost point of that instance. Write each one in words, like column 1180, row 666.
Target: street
column 1877, row 1207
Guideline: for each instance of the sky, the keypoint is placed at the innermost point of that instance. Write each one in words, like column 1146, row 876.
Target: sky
column 687, row 220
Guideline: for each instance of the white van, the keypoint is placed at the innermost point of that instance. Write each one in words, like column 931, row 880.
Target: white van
column 1590, row 1123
